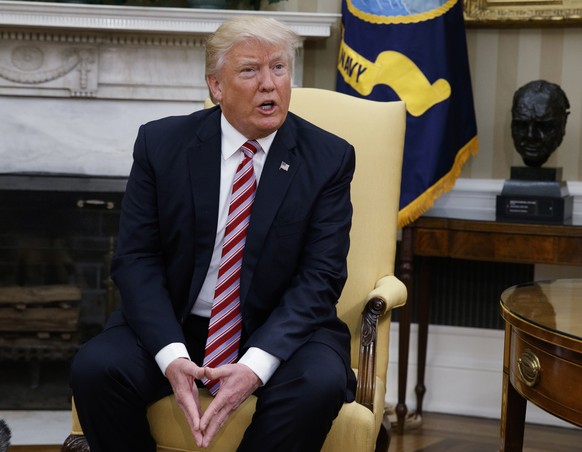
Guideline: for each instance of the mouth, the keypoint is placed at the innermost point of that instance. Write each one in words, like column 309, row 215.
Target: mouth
column 528, row 145
column 531, row 151
column 267, row 106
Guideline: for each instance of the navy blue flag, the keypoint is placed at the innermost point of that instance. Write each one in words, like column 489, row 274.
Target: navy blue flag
column 415, row 51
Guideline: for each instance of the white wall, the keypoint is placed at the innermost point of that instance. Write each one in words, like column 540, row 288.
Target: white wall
column 464, row 372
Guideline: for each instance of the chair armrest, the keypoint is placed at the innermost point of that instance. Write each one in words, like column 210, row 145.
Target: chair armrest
column 75, row 443
column 389, row 293
column 391, row 290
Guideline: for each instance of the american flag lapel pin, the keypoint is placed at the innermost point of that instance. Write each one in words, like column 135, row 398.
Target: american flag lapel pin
column 284, row 166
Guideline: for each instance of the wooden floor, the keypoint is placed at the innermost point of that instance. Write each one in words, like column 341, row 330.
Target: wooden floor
column 446, row 433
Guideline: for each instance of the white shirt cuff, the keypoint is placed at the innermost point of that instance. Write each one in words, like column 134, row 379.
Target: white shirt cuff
column 169, row 353
column 261, row 363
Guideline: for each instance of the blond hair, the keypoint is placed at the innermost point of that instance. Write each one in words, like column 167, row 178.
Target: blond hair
column 264, row 30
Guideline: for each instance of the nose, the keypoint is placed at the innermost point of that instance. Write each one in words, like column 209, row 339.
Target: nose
column 534, row 131
column 266, row 82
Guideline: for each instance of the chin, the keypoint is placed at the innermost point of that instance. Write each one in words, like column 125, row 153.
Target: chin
column 267, row 128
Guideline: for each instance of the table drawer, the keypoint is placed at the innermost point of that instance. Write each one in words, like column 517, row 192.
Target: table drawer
column 547, row 375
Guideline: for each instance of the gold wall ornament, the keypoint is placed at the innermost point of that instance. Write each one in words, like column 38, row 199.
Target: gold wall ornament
column 522, row 13
column 529, row 368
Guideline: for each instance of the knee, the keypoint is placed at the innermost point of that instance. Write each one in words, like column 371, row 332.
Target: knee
column 323, row 387
column 320, row 376
column 90, row 369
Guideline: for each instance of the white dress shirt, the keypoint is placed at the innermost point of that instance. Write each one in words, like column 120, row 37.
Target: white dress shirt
column 263, row 364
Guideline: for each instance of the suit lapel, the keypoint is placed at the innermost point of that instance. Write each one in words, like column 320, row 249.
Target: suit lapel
column 280, row 168
column 204, row 167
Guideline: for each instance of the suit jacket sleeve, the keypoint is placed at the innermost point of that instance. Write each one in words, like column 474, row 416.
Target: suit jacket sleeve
column 139, row 267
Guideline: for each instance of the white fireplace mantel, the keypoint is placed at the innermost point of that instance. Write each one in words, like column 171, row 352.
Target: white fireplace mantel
column 147, row 19
column 119, row 52
column 76, row 81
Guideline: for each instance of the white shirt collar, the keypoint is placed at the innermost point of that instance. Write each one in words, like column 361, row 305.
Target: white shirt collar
column 232, row 139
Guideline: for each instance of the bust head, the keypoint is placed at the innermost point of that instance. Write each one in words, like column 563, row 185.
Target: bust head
column 538, row 124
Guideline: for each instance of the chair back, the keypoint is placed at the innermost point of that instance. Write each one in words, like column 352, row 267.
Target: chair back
column 376, row 130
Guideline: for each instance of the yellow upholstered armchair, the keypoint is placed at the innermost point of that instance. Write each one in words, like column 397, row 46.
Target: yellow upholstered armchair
column 376, row 129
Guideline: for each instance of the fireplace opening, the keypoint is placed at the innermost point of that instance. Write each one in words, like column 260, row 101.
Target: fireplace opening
column 57, row 237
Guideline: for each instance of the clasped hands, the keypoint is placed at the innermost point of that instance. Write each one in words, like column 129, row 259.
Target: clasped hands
column 237, row 383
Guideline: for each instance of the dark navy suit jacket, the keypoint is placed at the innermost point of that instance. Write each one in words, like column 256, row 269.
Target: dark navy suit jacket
column 294, row 264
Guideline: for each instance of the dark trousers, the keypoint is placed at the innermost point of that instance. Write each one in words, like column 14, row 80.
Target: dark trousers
column 114, row 380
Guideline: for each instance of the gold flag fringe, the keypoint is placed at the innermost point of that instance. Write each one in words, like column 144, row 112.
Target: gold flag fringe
column 426, row 200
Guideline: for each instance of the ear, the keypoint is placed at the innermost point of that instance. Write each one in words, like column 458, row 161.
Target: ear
column 215, row 87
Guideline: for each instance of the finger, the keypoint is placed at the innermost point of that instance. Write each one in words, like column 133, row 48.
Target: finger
column 213, row 420
column 198, row 433
column 213, row 429
column 214, row 409
column 189, row 403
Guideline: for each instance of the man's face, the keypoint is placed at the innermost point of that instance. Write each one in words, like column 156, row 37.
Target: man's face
column 253, row 88
column 537, row 127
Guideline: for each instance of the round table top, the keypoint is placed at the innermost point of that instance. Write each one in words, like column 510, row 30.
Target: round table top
column 552, row 305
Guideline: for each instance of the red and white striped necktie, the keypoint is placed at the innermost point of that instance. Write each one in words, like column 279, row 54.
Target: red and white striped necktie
column 225, row 319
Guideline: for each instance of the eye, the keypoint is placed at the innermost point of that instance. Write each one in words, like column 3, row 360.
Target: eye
column 280, row 68
column 520, row 125
column 247, row 72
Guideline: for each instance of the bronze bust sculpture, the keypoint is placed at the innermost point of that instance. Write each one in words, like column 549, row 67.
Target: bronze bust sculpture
column 539, row 113
column 535, row 194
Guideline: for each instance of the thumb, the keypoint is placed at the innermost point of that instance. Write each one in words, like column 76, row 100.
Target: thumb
column 198, row 373
column 211, row 373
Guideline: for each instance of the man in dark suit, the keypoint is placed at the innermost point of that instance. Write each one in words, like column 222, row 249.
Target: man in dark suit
column 294, row 351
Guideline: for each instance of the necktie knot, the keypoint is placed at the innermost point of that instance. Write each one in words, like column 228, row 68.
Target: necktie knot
column 250, row 148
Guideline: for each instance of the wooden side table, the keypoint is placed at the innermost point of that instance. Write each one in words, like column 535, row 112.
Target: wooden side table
column 480, row 239
column 542, row 359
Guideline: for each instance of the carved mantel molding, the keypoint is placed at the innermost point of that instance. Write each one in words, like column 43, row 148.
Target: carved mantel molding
column 119, row 52
column 148, row 19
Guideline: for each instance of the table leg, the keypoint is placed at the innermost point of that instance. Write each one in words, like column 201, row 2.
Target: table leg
column 512, row 418
column 423, row 303
column 406, row 271
column 513, row 407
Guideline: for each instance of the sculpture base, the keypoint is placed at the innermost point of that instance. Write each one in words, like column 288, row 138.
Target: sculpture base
column 535, row 195
column 536, row 174
column 532, row 209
